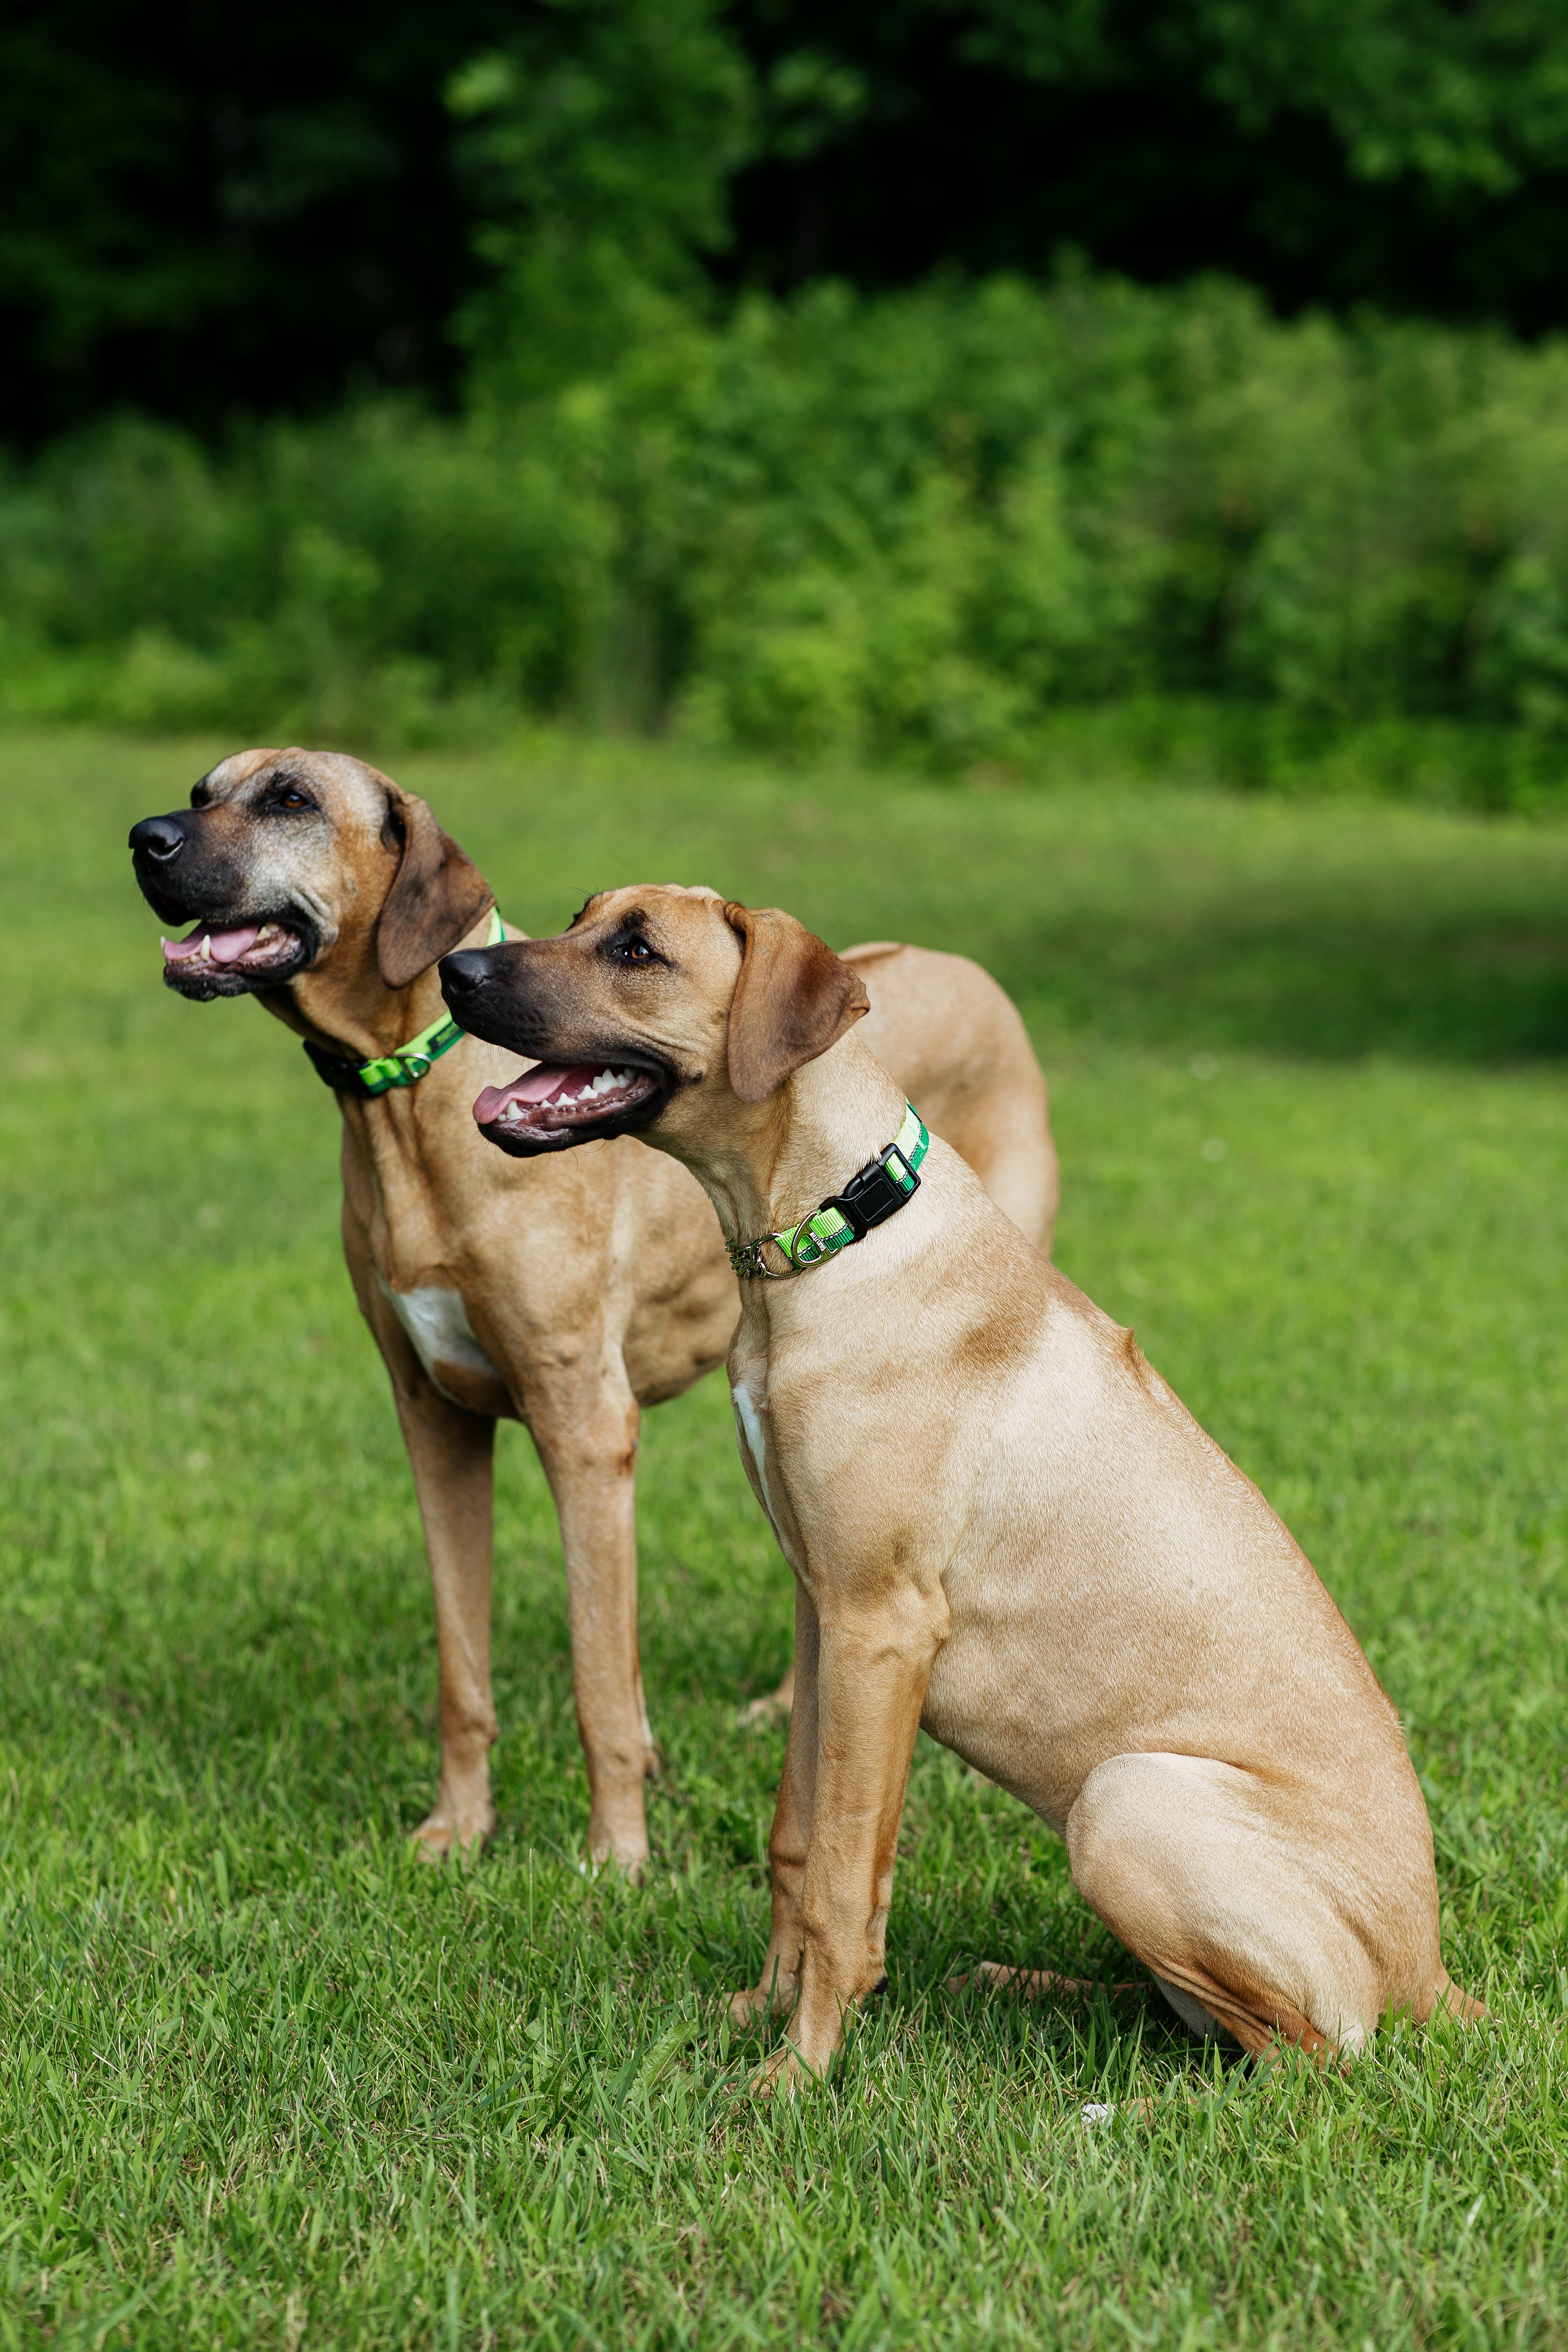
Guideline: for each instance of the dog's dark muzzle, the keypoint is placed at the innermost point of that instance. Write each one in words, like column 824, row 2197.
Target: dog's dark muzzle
column 190, row 876
column 512, row 995
column 464, row 978
column 494, row 997
column 160, row 849
column 157, row 840
column 522, row 995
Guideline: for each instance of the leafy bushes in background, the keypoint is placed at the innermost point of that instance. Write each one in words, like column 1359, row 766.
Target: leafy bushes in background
column 922, row 527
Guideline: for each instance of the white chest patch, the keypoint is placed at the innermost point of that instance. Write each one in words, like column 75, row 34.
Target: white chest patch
column 437, row 1321
column 755, row 1439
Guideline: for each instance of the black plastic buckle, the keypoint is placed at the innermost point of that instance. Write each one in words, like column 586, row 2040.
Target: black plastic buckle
column 876, row 1193
column 338, row 1072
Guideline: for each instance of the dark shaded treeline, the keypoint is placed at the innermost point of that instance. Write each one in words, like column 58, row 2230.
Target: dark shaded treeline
column 208, row 211
column 208, row 208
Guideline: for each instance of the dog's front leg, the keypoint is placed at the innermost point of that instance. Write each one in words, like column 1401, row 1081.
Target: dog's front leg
column 451, row 1454
column 872, row 1669
column 791, row 1836
column 587, row 1440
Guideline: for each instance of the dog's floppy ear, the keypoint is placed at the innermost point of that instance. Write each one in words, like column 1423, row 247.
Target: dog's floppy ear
column 436, row 893
column 794, row 999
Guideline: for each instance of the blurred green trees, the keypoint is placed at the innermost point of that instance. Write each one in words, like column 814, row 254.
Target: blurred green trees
column 747, row 366
column 920, row 526
column 601, row 143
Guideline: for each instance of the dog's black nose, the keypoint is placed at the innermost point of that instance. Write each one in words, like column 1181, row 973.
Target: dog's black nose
column 463, row 973
column 158, row 837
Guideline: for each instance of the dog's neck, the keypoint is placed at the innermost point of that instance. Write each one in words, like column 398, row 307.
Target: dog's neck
column 773, row 1165
column 344, row 1004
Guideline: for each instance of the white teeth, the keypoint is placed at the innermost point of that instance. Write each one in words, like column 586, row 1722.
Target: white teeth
column 267, row 930
column 204, row 952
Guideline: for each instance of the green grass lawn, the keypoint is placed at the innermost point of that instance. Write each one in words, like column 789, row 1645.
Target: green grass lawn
column 268, row 2081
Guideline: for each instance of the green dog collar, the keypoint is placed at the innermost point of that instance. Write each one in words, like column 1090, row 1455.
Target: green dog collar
column 365, row 1080
column 878, row 1193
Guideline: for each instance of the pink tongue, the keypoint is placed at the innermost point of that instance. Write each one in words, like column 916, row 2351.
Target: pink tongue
column 545, row 1083
column 226, row 947
column 541, row 1085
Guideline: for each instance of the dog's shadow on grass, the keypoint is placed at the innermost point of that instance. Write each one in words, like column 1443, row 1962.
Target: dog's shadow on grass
column 1422, row 978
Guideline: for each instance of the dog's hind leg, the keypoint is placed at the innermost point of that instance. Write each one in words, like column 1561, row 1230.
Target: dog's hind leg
column 1192, row 1864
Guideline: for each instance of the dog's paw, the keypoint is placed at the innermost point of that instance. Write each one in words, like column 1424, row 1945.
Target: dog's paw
column 444, row 1832
column 781, row 2070
column 777, row 1706
column 774, row 1996
column 805, row 2061
column 627, row 1853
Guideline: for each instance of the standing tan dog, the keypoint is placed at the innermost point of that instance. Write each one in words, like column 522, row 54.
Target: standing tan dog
column 565, row 1293
column 1002, row 1523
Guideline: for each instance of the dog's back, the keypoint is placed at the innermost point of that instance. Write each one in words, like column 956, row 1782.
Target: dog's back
column 957, row 1045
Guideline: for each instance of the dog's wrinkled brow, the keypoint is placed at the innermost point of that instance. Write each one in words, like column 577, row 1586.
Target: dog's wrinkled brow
column 592, row 899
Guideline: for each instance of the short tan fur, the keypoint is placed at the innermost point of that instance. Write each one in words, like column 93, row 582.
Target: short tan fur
column 1003, row 1526
column 591, row 1283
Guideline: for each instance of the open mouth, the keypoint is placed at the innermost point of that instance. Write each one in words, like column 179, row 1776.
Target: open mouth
column 220, row 959
column 554, row 1106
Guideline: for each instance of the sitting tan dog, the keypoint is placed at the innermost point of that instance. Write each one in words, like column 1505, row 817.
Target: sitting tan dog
column 567, row 1292
column 1002, row 1523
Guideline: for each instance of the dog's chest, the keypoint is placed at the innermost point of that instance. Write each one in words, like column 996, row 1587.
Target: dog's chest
column 754, row 1428
column 436, row 1322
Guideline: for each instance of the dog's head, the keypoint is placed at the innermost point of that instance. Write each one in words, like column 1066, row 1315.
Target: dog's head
column 281, row 854
column 653, row 1011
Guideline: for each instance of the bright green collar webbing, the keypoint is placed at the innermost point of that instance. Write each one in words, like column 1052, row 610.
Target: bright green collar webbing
column 879, row 1189
column 410, row 1062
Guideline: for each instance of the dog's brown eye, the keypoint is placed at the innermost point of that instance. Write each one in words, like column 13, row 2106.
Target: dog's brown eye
column 633, row 949
column 290, row 796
